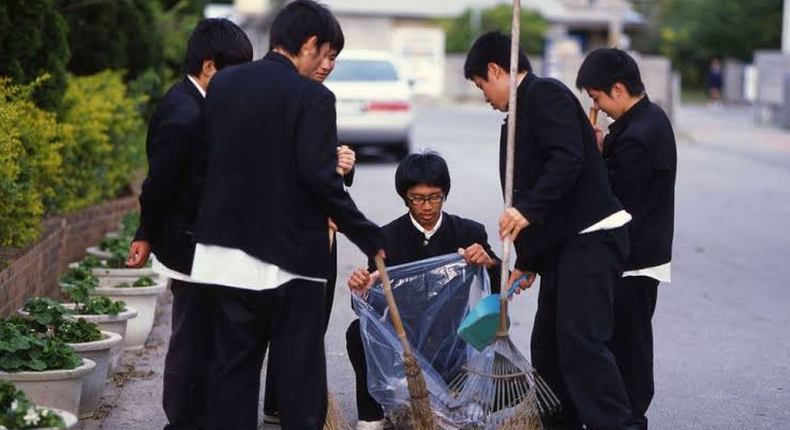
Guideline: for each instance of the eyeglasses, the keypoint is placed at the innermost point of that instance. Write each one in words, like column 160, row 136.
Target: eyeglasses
column 419, row 200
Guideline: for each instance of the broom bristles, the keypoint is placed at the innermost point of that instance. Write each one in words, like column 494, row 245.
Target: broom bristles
column 421, row 414
column 334, row 416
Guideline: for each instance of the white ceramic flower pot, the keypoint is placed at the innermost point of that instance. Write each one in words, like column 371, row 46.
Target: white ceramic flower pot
column 144, row 300
column 59, row 389
column 98, row 253
column 93, row 384
column 121, row 273
column 68, row 418
column 116, row 324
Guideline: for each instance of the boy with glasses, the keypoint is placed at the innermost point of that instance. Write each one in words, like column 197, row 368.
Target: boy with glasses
column 423, row 181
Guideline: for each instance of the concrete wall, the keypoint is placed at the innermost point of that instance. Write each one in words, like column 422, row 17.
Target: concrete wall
column 733, row 77
column 772, row 67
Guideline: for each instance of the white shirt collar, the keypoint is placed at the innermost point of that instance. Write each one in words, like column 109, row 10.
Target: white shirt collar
column 199, row 88
column 427, row 233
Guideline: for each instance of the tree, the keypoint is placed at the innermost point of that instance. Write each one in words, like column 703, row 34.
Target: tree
column 460, row 31
column 33, row 43
column 692, row 32
column 116, row 35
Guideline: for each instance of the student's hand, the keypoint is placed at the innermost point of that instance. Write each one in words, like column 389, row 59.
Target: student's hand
column 361, row 280
column 524, row 283
column 139, row 252
column 476, row 255
column 511, row 223
column 345, row 159
column 598, row 137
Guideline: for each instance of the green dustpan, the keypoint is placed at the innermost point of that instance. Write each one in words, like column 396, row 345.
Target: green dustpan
column 481, row 324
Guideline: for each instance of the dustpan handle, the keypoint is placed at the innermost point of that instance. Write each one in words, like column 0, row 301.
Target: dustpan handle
column 396, row 321
column 511, row 146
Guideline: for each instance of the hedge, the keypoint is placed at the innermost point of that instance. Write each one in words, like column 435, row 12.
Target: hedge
column 54, row 165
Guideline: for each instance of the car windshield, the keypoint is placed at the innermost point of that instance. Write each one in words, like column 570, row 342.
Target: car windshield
column 364, row 70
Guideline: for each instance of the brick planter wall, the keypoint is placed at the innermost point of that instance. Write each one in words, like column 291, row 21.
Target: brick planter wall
column 36, row 270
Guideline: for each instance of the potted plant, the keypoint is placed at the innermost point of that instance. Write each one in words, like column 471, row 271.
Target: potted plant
column 140, row 293
column 50, row 318
column 18, row 412
column 47, row 369
column 112, row 316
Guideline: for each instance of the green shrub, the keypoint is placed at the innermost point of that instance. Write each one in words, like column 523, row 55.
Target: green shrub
column 79, row 331
column 107, row 147
column 30, row 163
column 18, row 412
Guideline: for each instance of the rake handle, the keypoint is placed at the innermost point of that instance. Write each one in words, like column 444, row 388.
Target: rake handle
column 511, row 149
column 396, row 320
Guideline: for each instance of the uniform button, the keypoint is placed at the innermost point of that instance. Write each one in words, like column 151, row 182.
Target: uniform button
column 425, row 242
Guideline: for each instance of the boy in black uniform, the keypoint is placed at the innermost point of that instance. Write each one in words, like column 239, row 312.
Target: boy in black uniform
column 568, row 227
column 423, row 181
column 641, row 156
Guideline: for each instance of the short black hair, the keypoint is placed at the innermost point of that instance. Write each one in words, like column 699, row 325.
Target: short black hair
column 340, row 40
column 428, row 168
column 216, row 39
column 492, row 47
column 300, row 20
column 605, row 67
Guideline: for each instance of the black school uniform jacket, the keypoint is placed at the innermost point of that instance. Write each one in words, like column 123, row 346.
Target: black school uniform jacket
column 641, row 157
column 405, row 244
column 560, row 182
column 171, row 191
column 271, row 181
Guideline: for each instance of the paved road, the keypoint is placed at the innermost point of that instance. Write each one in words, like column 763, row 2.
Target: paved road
column 722, row 326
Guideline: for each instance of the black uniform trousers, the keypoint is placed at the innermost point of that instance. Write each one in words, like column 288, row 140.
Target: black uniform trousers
column 270, row 397
column 290, row 320
column 632, row 343
column 368, row 409
column 188, row 356
column 573, row 326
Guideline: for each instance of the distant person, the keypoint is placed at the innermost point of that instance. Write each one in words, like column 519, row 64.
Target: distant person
column 168, row 208
column 715, row 83
column 641, row 157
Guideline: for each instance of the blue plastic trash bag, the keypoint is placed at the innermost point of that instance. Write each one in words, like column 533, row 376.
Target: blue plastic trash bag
column 433, row 297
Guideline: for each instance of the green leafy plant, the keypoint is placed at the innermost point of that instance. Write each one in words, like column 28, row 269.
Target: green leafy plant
column 129, row 225
column 101, row 306
column 45, row 313
column 79, row 331
column 18, row 412
column 145, row 281
column 21, row 351
column 47, row 317
column 81, row 273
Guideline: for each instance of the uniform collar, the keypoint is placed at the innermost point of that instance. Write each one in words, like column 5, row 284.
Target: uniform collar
column 280, row 58
column 629, row 115
column 428, row 234
column 197, row 86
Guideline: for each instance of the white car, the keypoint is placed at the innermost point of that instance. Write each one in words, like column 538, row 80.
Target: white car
column 373, row 101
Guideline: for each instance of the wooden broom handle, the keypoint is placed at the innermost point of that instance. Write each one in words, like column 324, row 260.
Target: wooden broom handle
column 511, row 146
column 331, row 230
column 593, row 116
column 396, row 321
